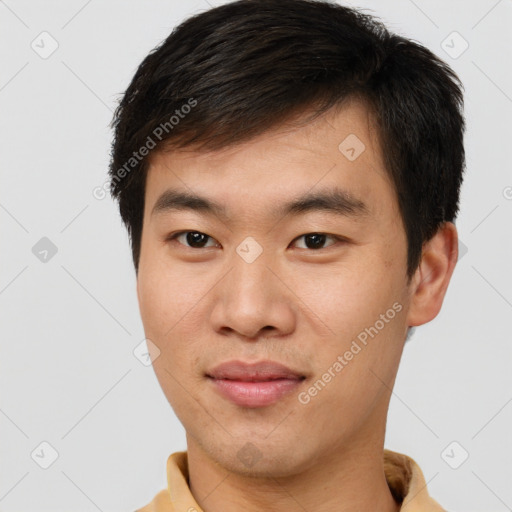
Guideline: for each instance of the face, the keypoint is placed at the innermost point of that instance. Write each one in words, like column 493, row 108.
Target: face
column 319, row 289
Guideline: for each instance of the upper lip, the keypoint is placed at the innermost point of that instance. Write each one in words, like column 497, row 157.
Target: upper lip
column 253, row 372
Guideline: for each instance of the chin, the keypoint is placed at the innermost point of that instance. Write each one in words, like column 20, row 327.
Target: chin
column 260, row 458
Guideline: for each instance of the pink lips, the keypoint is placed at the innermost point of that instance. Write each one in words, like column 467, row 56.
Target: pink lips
column 254, row 385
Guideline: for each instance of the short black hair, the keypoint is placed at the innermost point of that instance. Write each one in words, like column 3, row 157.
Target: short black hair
column 233, row 72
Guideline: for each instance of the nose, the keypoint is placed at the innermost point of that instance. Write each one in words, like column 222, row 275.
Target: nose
column 253, row 301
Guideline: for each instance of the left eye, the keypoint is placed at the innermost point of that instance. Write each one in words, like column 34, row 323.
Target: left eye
column 316, row 240
column 198, row 240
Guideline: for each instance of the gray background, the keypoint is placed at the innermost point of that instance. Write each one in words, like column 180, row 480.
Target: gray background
column 69, row 324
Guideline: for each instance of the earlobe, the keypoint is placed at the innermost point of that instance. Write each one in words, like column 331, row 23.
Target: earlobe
column 430, row 282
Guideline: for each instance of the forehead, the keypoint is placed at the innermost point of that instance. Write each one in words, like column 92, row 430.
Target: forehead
column 339, row 149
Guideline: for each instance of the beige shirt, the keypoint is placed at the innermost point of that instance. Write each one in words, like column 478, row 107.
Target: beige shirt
column 404, row 477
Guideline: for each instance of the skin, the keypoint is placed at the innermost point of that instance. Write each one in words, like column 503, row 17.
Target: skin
column 299, row 306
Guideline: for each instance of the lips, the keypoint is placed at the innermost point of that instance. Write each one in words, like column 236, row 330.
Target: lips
column 253, row 372
column 254, row 385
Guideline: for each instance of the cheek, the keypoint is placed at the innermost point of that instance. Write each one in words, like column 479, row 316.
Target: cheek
column 360, row 315
column 172, row 301
column 345, row 298
column 166, row 307
column 165, row 294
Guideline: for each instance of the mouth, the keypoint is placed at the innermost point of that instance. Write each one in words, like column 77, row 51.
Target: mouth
column 254, row 385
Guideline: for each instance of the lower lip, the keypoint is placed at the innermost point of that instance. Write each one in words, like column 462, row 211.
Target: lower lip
column 255, row 394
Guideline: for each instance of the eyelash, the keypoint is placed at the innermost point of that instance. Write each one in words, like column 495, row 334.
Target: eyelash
column 338, row 239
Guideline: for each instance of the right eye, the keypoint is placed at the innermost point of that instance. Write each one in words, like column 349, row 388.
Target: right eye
column 191, row 239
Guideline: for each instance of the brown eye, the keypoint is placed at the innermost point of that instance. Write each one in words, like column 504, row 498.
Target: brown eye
column 192, row 239
column 316, row 241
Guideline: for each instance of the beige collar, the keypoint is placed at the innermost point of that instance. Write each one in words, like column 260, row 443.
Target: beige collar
column 404, row 477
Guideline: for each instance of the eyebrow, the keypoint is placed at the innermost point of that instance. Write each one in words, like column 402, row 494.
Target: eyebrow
column 335, row 200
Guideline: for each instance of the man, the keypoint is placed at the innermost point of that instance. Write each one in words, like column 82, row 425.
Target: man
column 289, row 174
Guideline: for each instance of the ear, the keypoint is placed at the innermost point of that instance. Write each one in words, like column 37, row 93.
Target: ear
column 430, row 282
